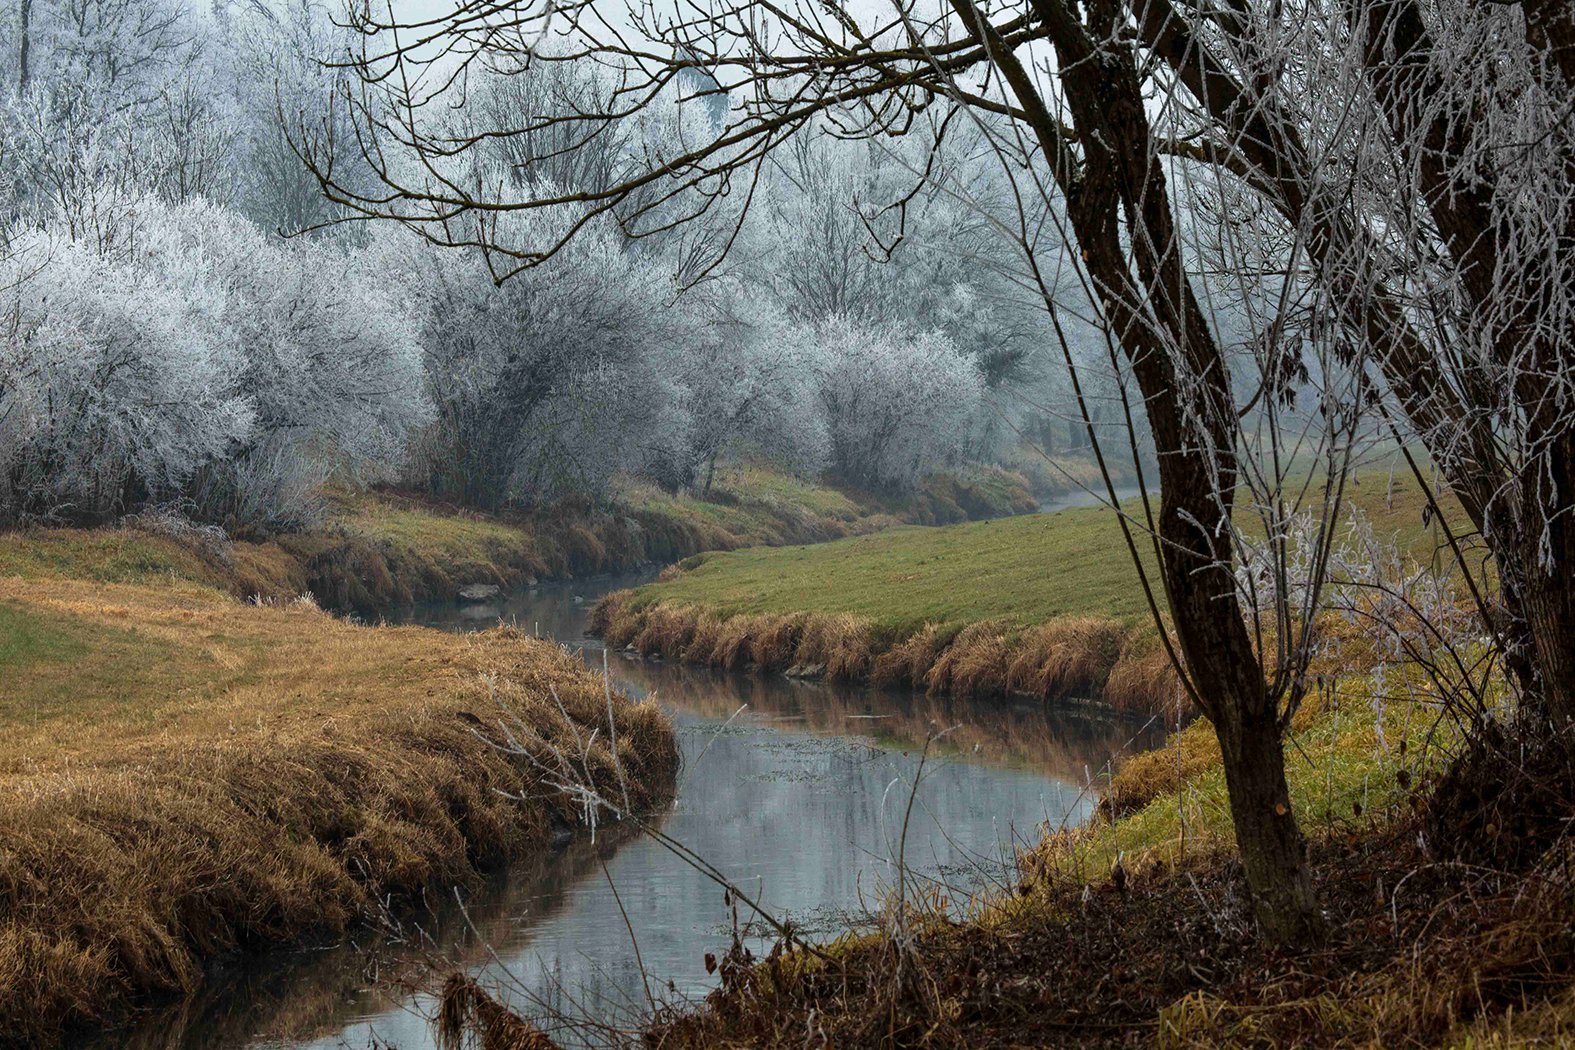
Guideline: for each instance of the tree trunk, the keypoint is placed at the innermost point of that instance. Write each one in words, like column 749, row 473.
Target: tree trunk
column 24, row 43
column 1547, row 592
column 1271, row 846
column 1147, row 299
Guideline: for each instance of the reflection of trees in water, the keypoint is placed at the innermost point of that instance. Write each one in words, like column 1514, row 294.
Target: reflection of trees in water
column 1065, row 742
column 313, row 993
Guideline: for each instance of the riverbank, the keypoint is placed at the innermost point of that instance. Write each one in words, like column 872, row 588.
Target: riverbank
column 380, row 550
column 1046, row 605
column 1138, row 931
column 184, row 775
column 386, row 549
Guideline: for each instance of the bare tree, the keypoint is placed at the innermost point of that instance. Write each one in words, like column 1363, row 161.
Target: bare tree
column 1424, row 151
column 1060, row 93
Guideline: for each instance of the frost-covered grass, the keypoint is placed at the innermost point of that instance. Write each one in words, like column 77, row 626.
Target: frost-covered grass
column 183, row 774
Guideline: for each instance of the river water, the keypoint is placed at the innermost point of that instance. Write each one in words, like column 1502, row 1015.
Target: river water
column 797, row 790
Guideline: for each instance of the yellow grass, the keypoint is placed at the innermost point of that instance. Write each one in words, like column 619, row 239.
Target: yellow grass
column 183, row 774
column 1072, row 657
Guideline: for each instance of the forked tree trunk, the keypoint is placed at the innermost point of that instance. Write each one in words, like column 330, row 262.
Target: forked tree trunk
column 1145, row 293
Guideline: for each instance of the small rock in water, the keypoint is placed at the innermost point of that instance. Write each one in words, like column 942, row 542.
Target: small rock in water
column 479, row 592
column 806, row 671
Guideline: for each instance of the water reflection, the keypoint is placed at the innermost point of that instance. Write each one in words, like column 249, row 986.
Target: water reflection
column 796, row 790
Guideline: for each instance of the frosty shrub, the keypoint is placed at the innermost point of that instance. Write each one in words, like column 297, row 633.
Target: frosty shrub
column 191, row 355
column 116, row 386
column 547, row 384
column 329, row 361
column 893, row 401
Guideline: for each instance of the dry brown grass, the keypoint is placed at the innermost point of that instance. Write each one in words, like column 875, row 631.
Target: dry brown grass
column 1418, row 955
column 977, row 663
column 182, row 775
column 908, row 662
column 1075, row 656
column 838, row 642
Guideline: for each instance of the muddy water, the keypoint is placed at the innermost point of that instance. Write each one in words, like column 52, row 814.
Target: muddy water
column 796, row 790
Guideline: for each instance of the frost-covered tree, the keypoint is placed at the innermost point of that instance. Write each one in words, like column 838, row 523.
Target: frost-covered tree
column 117, row 386
column 280, row 83
column 330, row 362
column 119, row 94
column 191, row 356
column 546, row 384
column 894, row 401
column 746, row 379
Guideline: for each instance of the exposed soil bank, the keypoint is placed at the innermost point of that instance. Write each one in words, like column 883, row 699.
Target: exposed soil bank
column 184, row 775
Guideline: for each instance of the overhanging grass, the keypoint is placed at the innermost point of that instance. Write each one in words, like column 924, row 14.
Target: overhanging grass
column 182, row 774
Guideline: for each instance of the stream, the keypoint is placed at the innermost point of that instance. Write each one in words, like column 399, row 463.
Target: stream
column 797, row 790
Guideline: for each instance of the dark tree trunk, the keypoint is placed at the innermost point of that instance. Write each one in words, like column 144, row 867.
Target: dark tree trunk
column 1271, row 845
column 1117, row 183
column 1548, row 593
column 24, row 43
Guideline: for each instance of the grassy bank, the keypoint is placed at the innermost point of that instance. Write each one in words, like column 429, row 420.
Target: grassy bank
column 383, row 549
column 1138, row 931
column 1045, row 604
column 184, row 775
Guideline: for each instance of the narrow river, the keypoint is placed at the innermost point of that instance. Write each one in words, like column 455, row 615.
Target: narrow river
column 797, row 790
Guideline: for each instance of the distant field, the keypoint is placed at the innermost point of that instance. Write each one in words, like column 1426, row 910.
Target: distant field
column 1027, row 569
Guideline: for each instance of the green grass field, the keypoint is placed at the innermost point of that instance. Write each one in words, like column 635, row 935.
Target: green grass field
column 1027, row 570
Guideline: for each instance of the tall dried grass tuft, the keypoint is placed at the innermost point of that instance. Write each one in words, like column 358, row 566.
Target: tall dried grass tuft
column 731, row 642
column 976, row 663
column 469, row 1017
column 1071, row 656
column 909, row 661
column 776, row 640
column 840, row 642
column 1144, row 681
column 668, row 630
